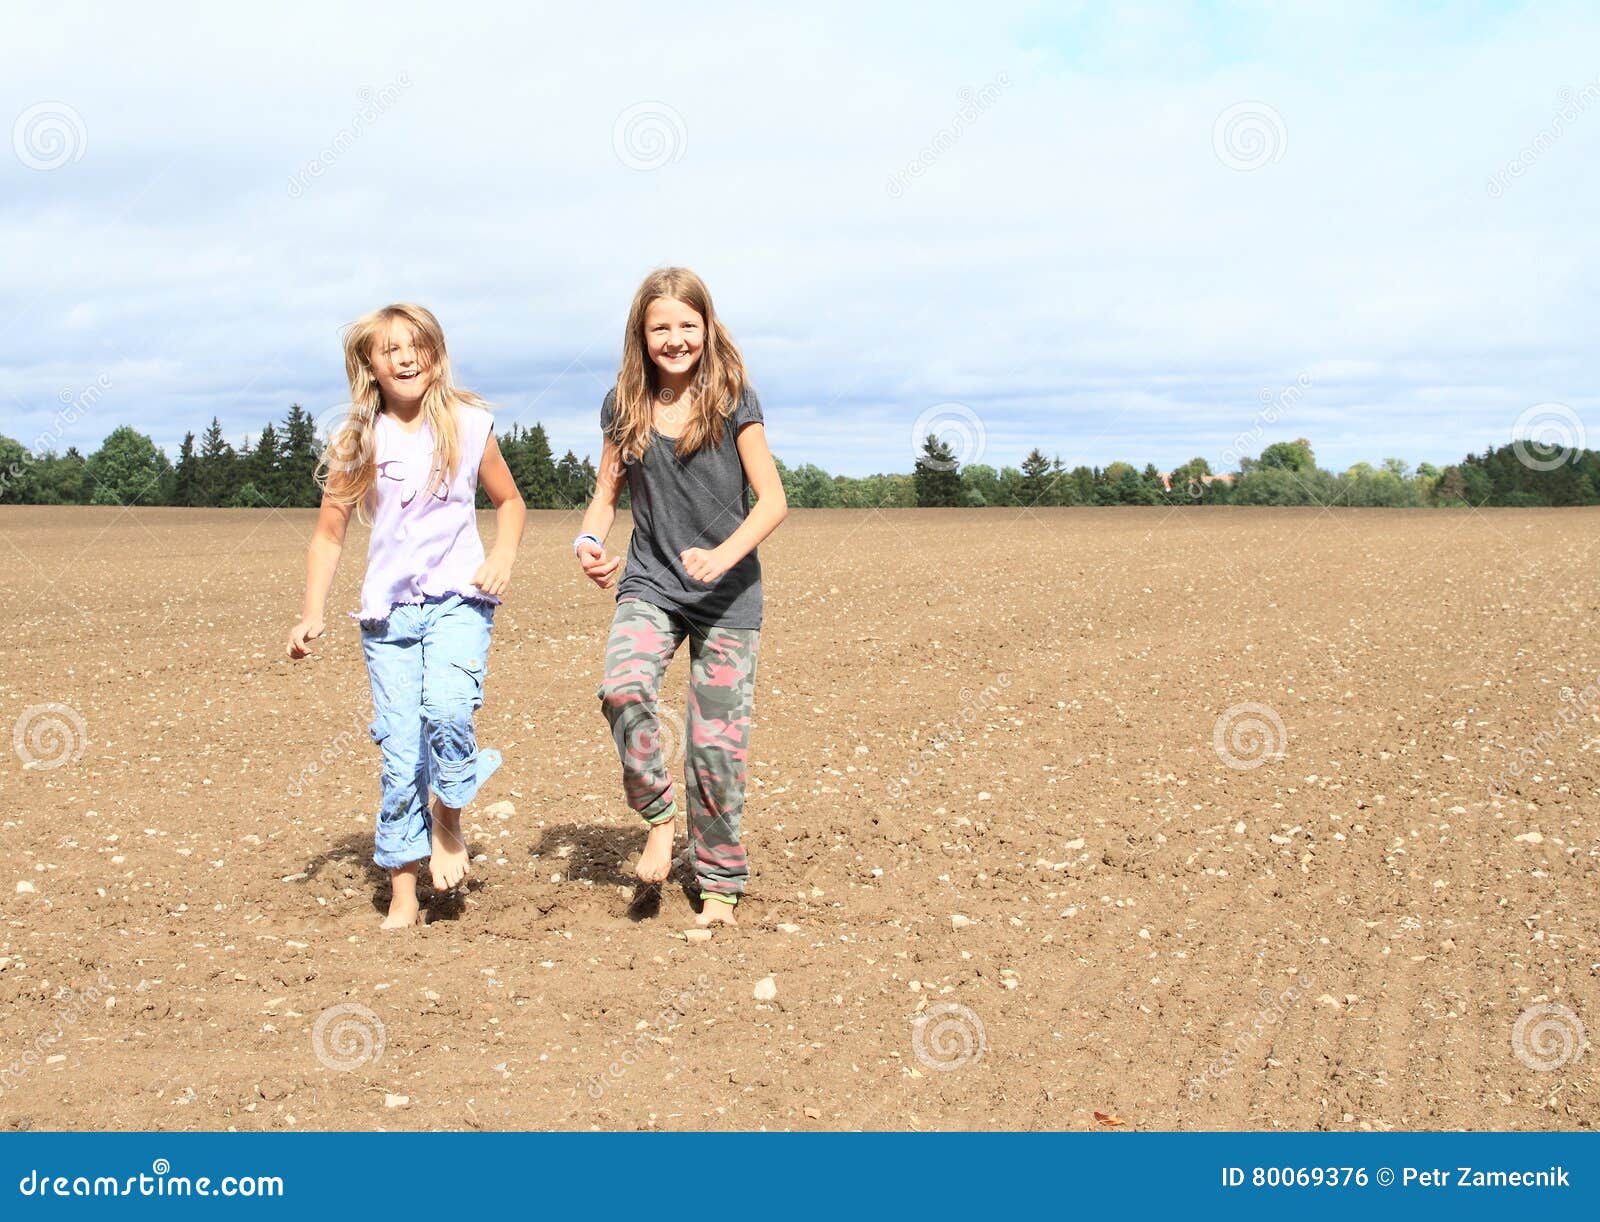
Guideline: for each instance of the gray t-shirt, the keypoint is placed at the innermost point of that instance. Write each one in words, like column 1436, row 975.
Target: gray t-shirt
column 679, row 503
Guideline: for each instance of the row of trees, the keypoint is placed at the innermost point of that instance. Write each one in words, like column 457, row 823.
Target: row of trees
column 1523, row 474
column 278, row 469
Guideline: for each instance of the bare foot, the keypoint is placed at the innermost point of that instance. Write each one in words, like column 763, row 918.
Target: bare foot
column 655, row 863
column 448, row 865
column 715, row 912
column 403, row 909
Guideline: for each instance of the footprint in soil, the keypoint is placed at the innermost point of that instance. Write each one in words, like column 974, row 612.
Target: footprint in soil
column 604, row 856
column 351, row 860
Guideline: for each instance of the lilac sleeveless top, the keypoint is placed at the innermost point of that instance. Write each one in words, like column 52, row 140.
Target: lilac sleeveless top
column 424, row 543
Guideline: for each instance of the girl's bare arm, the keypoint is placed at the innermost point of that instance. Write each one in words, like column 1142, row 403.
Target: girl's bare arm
column 494, row 574
column 322, row 562
column 599, row 567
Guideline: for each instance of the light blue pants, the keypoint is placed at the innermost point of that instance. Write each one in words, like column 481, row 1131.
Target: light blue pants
column 426, row 663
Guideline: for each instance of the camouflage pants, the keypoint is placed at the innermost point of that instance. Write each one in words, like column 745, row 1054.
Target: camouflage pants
column 715, row 740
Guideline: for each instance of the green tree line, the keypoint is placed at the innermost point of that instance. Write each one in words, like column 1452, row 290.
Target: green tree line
column 278, row 469
column 1519, row 474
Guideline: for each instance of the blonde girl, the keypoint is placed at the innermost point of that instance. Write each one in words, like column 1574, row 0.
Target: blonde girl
column 684, row 429
column 408, row 460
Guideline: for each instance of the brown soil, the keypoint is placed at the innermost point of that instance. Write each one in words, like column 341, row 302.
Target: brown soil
column 985, row 776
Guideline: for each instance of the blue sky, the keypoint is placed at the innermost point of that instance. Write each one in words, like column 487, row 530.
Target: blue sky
column 1132, row 233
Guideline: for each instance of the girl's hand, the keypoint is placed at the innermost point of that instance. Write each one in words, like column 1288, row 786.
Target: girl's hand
column 597, row 566
column 705, row 566
column 301, row 636
column 493, row 575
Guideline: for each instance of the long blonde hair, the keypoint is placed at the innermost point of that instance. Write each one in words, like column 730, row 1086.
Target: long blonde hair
column 719, row 378
column 348, row 469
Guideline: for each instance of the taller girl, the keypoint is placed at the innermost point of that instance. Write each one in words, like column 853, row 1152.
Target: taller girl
column 409, row 459
column 684, row 427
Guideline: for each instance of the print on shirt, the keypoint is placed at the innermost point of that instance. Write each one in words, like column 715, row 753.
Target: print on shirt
column 399, row 476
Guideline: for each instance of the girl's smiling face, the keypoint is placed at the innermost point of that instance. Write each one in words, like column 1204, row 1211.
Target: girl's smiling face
column 399, row 365
column 674, row 335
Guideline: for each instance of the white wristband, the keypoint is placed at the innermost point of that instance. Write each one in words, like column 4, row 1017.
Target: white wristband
column 592, row 538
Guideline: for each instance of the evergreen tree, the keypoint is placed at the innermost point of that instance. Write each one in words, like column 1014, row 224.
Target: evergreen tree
column 938, row 479
column 532, row 466
column 218, row 466
column 574, row 482
column 1035, row 478
column 186, row 476
column 297, row 464
column 261, row 468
